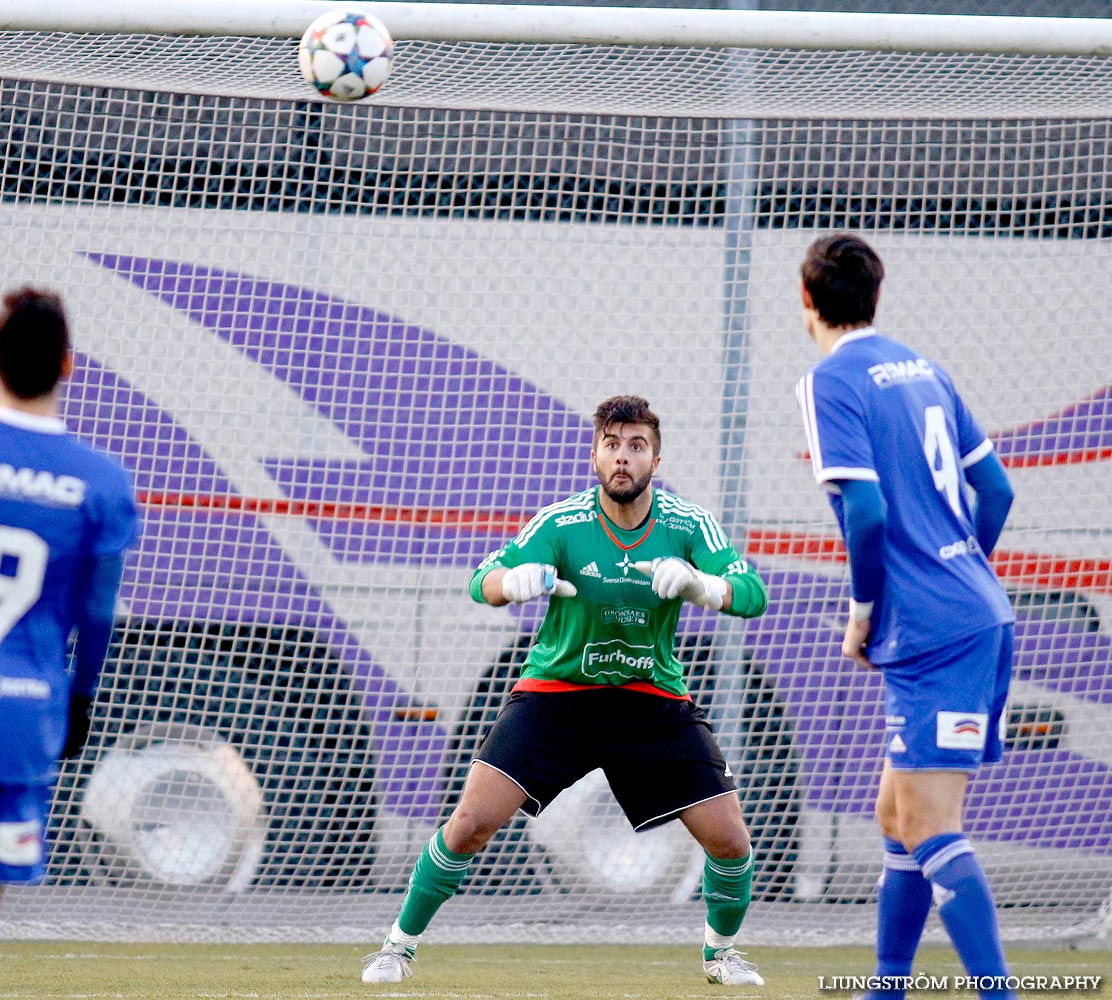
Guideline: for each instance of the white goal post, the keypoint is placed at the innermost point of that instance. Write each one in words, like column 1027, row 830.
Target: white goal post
column 347, row 350
column 571, row 25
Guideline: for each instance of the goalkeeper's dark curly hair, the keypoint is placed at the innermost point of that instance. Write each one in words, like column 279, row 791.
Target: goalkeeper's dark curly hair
column 34, row 341
column 627, row 410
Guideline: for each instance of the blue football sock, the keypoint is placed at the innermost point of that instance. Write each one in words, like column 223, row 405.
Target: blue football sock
column 903, row 903
column 965, row 905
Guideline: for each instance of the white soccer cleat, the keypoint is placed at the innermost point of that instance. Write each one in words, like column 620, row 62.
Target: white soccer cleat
column 391, row 965
column 730, row 969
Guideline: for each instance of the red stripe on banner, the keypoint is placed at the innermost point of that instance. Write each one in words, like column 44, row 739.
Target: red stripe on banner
column 1031, row 569
column 494, row 522
column 1037, row 460
column 1058, row 458
column 1054, row 572
column 825, row 548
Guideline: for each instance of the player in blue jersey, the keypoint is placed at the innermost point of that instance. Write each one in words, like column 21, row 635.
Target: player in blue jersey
column 67, row 513
column 897, row 450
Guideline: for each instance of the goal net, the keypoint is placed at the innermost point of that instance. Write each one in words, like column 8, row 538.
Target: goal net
column 347, row 351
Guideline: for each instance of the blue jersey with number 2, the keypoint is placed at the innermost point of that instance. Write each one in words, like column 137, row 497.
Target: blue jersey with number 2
column 876, row 410
column 62, row 507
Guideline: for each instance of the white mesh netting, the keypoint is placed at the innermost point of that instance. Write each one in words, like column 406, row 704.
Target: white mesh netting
column 625, row 80
column 346, row 351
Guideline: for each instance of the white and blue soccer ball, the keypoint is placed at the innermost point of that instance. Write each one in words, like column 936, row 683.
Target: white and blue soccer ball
column 346, row 54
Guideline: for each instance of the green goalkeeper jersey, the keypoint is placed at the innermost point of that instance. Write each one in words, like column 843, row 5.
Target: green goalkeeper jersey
column 616, row 630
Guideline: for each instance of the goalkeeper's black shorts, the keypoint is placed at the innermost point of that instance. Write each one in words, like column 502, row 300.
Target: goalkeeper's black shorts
column 658, row 753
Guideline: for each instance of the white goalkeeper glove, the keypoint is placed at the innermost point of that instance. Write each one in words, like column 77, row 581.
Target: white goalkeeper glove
column 533, row 580
column 673, row 577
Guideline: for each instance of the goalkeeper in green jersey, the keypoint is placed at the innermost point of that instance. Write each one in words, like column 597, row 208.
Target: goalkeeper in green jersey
column 602, row 687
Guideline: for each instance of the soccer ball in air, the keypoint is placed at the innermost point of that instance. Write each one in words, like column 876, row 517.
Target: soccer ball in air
column 346, row 54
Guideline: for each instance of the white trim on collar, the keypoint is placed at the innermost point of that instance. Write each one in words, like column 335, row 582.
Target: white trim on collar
column 845, row 338
column 31, row 421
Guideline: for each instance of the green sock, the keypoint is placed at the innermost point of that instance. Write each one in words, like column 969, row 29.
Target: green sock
column 727, row 889
column 435, row 879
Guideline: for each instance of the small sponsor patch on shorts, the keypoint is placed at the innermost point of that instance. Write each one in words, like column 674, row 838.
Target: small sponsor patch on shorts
column 961, row 730
column 20, row 843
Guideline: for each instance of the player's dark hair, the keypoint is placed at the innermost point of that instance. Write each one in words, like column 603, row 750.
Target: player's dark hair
column 627, row 410
column 842, row 273
column 34, row 342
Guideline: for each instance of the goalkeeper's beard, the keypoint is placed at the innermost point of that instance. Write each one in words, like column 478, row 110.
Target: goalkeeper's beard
column 626, row 494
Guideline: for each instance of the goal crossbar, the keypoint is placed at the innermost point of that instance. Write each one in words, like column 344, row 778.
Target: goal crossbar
column 454, row 22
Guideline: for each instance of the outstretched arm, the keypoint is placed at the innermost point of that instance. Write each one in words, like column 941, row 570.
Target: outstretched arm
column 524, row 583
column 866, row 519
column 994, row 499
column 739, row 591
column 673, row 577
column 94, row 615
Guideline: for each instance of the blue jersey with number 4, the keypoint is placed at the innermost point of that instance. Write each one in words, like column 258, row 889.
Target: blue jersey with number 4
column 63, row 506
column 875, row 410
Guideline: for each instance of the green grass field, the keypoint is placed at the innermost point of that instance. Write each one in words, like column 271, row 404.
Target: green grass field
column 88, row 971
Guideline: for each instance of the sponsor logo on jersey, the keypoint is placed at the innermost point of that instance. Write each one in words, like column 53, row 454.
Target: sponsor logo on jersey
column 961, row 730
column 617, row 659
column 591, row 569
column 966, row 547
column 625, row 564
column 625, row 616
column 41, row 487
column 677, row 524
column 889, row 373
column 580, row 517
column 24, row 687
